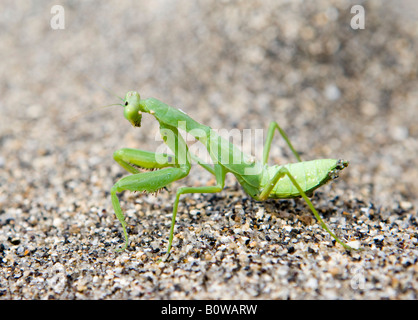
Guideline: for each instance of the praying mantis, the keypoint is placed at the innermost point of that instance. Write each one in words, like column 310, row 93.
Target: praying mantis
column 258, row 179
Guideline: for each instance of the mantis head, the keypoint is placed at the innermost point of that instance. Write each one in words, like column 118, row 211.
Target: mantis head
column 132, row 108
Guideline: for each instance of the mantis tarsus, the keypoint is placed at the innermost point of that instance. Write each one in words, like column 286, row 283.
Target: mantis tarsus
column 258, row 179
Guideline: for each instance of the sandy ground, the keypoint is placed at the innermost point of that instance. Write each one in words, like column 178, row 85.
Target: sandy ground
column 337, row 92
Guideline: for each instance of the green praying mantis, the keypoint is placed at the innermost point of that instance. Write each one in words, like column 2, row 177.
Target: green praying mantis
column 258, row 179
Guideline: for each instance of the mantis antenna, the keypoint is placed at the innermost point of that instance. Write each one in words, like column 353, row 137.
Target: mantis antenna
column 94, row 109
column 83, row 114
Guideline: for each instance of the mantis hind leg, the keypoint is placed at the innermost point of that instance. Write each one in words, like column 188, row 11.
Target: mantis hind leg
column 281, row 173
column 220, row 183
column 270, row 133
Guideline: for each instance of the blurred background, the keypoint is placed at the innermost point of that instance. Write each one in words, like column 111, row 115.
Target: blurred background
column 337, row 91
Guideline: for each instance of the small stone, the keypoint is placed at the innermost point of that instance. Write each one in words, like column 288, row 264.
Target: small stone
column 379, row 238
column 15, row 241
column 406, row 205
column 354, row 244
column 332, row 92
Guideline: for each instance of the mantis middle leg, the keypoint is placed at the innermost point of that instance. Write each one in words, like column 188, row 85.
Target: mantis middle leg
column 220, row 183
column 270, row 133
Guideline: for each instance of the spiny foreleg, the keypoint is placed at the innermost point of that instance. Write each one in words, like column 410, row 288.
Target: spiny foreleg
column 145, row 181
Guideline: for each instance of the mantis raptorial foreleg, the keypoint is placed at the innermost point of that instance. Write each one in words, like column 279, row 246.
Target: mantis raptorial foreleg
column 129, row 159
column 270, row 133
column 149, row 181
column 145, row 181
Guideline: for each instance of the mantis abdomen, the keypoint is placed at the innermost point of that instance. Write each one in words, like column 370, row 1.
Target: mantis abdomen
column 310, row 175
